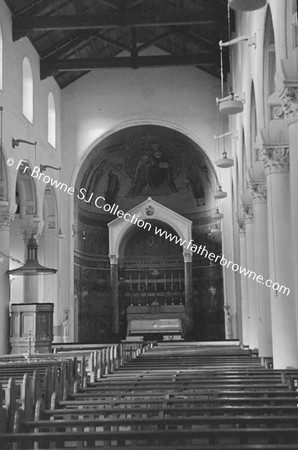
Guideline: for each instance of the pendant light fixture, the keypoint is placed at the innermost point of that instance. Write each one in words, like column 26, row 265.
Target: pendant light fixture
column 232, row 103
column 225, row 162
column 247, row 5
column 217, row 215
column 219, row 193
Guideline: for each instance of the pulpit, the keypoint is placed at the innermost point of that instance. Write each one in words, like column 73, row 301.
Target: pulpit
column 31, row 327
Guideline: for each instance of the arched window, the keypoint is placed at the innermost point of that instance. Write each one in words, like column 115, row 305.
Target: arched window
column 269, row 58
column 1, row 59
column 27, row 90
column 51, row 120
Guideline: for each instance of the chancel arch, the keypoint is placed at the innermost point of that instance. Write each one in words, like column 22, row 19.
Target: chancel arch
column 162, row 177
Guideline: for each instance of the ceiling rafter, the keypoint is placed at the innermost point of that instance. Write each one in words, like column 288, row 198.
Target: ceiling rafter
column 22, row 26
column 75, row 36
column 61, row 49
column 109, row 4
column 37, row 7
column 48, row 68
column 113, row 42
column 154, row 40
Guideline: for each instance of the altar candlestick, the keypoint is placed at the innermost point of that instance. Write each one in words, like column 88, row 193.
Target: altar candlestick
column 130, row 283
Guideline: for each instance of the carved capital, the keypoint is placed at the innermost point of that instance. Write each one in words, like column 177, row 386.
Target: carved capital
column 242, row 230
column 248, row 213
column 5, row 221
column 289, row 101
column 32, row 226
column 187, row 257
column 276, row 159
column 113, row 259
column 258, row 191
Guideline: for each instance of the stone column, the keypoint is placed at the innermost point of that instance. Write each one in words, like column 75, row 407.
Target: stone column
column 284, row 337
column 5, row 221
column 189, row 305
column 243, row 281
column 114, row 282
column 259, row 194
column 251, row 284
column 290, row 103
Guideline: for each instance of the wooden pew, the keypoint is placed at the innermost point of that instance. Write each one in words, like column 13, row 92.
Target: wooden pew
column 190, row 402
column 227, row 438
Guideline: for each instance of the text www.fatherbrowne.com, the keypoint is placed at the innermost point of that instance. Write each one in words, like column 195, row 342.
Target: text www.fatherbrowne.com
column 135, row 219
column 202, row 251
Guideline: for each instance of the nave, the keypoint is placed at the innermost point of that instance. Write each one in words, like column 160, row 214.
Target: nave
column 139, row 395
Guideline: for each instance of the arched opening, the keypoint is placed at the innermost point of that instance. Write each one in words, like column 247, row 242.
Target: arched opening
column 269, row 66
column 27, row 89
column 121, row 172
column 51, row 120
column 21, row 228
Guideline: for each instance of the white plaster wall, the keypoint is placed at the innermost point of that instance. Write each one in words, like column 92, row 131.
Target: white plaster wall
column 15, row 125
column 104, row 101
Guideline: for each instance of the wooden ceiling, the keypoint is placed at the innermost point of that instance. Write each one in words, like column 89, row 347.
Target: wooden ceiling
column 73, row 37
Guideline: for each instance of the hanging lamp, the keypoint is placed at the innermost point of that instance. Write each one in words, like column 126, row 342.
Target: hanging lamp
column 247, row 5
column 219, row 193
column 232, row 103
column 217, row 215
column 224, row 162
column 60, row 235
column 32, row 266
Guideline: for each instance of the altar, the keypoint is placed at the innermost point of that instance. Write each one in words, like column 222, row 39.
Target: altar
column 166, row 328
column 156, row 321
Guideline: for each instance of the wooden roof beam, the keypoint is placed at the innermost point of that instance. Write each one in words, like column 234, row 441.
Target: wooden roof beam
column 48, row 68
column 23, row 26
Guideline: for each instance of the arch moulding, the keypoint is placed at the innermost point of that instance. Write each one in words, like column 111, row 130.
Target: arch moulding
column 146, row 211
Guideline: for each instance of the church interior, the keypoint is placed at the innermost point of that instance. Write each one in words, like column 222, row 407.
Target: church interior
column 148, row 224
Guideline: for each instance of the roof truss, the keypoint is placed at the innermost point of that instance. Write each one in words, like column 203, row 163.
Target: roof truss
column 75, row 36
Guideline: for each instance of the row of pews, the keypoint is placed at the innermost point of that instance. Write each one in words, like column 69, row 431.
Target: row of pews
column 133, row 396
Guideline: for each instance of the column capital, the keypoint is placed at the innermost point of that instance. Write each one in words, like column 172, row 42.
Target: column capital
column 248, row 213
column 276, row 159
column 31, row 226
column 258, row 190
column 241, row 223
column 289, row 101
column 113, row 259
column 5, row 221
column 187, row 257
column 242, row 230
